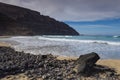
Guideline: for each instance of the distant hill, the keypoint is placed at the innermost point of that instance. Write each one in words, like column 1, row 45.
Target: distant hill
column 16, row 20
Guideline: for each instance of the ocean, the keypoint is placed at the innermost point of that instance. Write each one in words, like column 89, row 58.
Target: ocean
column 108, row 47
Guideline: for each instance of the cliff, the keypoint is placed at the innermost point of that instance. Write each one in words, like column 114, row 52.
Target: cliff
column 16, row 20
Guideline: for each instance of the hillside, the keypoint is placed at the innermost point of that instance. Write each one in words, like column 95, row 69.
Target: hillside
column 16, row 20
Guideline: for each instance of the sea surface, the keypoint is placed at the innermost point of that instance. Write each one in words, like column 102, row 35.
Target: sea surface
column 108, row 47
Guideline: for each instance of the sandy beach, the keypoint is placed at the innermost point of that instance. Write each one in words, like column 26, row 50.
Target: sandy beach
column 4, row 44
column 113, row 64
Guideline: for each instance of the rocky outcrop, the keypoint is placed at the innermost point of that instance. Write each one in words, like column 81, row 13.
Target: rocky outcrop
column 21, row 21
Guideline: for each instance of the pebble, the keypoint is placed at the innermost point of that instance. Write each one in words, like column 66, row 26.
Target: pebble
column 46, row 67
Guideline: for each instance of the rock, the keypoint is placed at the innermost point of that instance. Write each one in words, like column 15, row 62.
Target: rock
column 16, row 20
column 12, row 62
column 85, row 63
column 48, row 67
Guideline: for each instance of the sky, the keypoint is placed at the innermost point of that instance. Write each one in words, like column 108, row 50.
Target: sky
column 99, row 27
column 86, row 16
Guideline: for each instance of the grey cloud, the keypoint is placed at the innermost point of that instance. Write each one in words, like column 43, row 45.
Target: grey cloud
column 73, row 10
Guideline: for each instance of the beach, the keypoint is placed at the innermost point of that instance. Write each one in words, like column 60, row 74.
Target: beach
column 4, row 44
column 59, row 40
column 111, row 63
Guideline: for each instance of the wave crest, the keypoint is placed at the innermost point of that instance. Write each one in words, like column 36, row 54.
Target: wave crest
column 116, row 36
column 82, row 41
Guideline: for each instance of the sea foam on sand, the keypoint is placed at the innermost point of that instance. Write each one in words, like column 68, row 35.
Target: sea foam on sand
column 64, row 47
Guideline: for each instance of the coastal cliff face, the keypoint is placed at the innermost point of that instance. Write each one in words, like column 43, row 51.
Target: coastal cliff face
column 21, row 21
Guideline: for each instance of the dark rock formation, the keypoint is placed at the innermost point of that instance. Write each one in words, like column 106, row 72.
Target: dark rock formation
column 21, row 21
column 86, row 63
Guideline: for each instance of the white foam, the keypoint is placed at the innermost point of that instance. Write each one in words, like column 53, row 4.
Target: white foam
column 82, row 41
column 66, row 47
column 55, row 36
column 116, row 36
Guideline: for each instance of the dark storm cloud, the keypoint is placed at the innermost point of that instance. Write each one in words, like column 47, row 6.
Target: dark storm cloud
column 73, row 10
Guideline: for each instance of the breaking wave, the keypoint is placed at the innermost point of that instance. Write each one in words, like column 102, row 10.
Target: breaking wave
column 116, row 36
column 66, row 45
column 82, row 41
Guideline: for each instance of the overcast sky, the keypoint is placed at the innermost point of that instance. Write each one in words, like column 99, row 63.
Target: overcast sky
column 73, row 10
column 86, row 16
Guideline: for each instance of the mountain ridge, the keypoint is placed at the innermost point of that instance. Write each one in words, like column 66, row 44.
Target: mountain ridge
column 16, row 20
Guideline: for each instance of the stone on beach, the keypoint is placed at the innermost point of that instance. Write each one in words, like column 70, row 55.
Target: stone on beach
column 85, row 63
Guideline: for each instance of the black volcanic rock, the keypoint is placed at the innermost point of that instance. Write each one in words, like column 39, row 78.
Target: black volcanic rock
column 86, row 63
column 21, row 21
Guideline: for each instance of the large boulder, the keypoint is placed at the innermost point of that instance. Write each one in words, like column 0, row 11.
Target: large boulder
column 85, row 63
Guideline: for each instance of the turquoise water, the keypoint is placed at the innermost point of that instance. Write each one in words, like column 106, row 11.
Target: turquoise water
column 108, row 47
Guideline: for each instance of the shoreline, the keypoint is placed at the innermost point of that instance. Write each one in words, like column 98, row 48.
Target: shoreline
column 111, row 63
column 65, row 46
